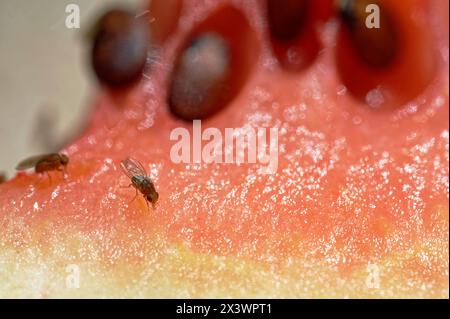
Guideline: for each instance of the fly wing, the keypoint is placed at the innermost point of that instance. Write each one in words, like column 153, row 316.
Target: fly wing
column 30, row 162
column 132, row 167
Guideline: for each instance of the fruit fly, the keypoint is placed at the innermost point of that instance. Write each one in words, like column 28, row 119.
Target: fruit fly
column 140, row 180
column 45, row 163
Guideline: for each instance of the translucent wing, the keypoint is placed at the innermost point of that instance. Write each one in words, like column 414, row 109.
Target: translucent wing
column 131, row 167
column 30, row 162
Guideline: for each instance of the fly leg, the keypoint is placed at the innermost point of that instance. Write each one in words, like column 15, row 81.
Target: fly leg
column 39, row 178
column 127, row 186
column 135, row 195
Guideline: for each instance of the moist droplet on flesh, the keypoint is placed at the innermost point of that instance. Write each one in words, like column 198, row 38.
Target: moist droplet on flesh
column 120, row 48
column 376, row 46
column 200, row 80
column 286, row 17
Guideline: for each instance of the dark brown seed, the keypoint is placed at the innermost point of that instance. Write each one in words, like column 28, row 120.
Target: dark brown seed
column 286, row 18
column 200, row 79
column 2, row 178
column 376, row 46
column 120, row 48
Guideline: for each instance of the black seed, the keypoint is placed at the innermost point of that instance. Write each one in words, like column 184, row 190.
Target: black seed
column 286, row 18
column 200, row 78
column 120, row 48
column 376, row 46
